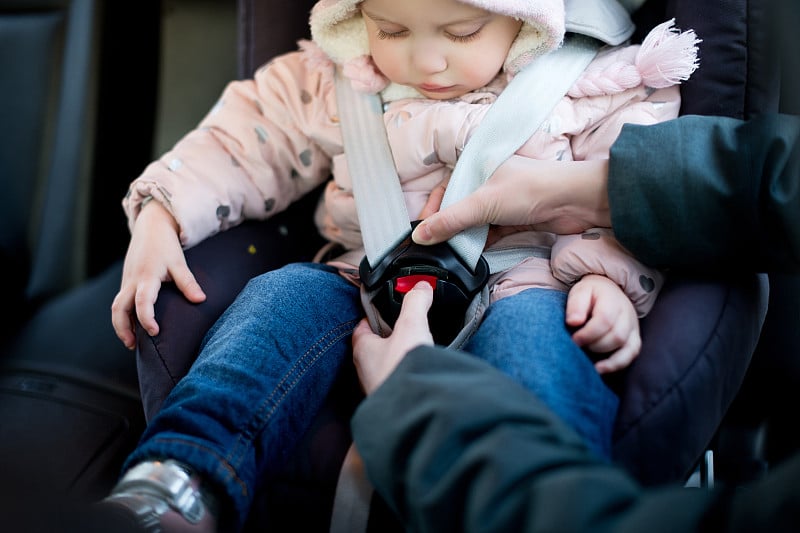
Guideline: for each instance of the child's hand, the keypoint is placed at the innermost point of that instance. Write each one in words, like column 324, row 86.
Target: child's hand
column 154, row 256
column 434, row 199
column 606, row 320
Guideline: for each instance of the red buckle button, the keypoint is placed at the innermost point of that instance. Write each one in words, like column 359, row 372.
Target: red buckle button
column 406, row 283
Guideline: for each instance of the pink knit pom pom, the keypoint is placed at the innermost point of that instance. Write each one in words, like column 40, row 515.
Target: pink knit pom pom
column 667, row 56
column 613, row 78
column 364, row 76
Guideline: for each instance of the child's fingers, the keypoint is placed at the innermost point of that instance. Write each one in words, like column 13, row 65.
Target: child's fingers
column 605, row 342
column 144, row 301
column 187, row 283
column 434, row 200
column 579, row 303
column 622, row 358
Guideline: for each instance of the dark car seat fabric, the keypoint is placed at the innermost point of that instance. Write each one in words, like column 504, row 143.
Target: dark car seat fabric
column 671, row 400
column 758, row 430
column 736, row 78
column 222, row 265
column 671, row 397
column 698, row 339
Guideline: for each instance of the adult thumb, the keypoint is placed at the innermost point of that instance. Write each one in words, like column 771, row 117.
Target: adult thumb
column 453, row 219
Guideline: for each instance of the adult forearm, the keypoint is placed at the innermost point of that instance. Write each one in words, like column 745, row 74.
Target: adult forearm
column 700, row 192
column 549, row 195
column 528, row 193
column 453, row 445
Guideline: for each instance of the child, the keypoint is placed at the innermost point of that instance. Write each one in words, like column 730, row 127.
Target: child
column 268, row 363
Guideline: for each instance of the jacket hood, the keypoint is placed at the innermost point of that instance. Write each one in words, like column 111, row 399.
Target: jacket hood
column 338, row 28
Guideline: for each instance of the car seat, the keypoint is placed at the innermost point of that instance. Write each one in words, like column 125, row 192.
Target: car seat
column 697, row 341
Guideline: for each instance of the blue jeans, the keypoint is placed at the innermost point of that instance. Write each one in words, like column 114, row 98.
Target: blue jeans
column 526, row 337
column 263, row 372
column 268, row 363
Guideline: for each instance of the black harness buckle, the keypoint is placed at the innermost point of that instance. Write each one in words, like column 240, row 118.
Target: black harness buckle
column 454, row 284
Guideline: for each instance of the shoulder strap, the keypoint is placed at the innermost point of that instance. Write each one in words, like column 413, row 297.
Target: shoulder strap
column 381, row 208
column 379, row 200
column 532, row 94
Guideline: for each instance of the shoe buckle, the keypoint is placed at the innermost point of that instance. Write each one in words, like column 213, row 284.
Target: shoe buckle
column 167, row 481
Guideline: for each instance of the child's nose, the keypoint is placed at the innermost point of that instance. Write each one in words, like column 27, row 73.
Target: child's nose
column 428, row 59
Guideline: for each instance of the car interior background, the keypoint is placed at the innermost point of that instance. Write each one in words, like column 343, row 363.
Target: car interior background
column 93, row 90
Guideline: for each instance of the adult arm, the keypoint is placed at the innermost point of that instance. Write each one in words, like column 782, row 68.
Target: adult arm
column 696, row 192
column 709, row 191
column 453, row 445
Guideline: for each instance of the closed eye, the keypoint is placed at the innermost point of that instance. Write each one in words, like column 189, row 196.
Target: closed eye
column 382, row 34
column 391, row 35
column 465, row 38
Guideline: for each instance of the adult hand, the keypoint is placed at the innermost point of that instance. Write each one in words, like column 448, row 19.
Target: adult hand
column 376, row 357
column 154, row 256
column 525, row 193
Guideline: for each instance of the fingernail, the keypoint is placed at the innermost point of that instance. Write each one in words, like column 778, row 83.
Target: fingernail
column 421, row 234
column 425, row 283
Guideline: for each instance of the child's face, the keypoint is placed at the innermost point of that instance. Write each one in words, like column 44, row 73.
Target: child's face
column 442, row 48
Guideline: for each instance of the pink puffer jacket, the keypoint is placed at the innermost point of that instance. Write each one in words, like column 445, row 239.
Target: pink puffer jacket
column 270, row 140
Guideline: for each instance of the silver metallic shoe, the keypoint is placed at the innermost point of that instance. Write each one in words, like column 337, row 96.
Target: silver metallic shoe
column 163, row 497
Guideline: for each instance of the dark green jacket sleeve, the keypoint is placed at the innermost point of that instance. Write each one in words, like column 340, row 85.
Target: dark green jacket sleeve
column 709, row 192
column 452, row 444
